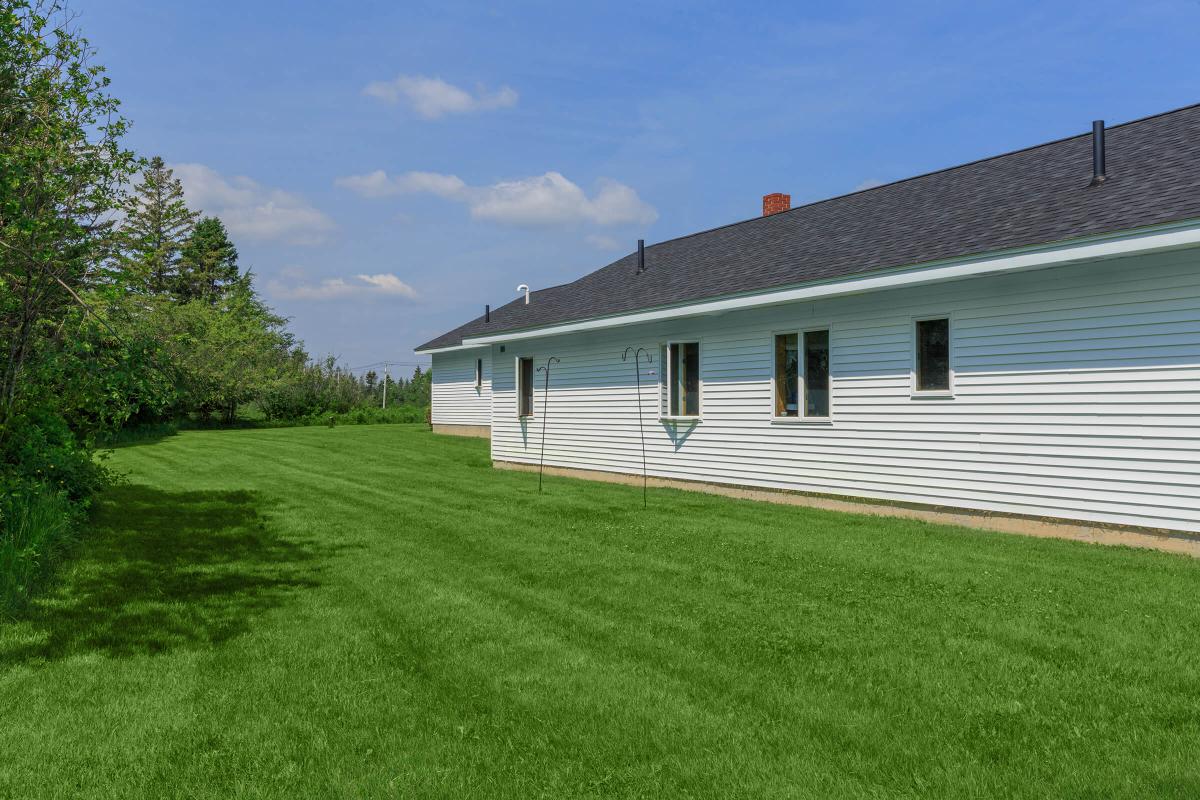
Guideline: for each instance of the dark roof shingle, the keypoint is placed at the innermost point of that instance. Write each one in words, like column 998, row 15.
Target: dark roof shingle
column 1028, row 197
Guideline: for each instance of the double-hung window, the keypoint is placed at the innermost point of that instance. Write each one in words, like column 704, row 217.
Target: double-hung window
column 681, row 379
column 932, row 375
column 525, row 387
column 801, row 387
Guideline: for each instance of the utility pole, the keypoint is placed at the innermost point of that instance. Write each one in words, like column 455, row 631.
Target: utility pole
column 385, row 383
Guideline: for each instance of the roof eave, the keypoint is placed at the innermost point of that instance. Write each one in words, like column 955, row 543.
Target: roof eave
column 1174, row 235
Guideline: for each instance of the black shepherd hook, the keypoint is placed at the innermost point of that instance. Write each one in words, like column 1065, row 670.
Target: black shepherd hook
column 545, row 413
column 637, row 369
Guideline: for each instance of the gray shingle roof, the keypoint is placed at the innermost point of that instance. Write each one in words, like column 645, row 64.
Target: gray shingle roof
column 1028, row 197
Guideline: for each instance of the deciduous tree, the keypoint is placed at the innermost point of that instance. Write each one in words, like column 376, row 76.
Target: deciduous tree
column 62, row 166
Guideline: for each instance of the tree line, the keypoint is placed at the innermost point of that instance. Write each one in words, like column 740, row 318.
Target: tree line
column 119, row 304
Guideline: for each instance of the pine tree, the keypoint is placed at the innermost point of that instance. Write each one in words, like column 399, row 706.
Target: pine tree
column 157, row 223
column 208, row 264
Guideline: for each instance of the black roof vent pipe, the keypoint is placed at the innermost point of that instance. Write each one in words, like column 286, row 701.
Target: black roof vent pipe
column 1098, row 174
column 641, row 256
column 487, row 313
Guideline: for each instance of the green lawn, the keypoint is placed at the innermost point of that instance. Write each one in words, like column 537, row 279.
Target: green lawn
column 372, row 611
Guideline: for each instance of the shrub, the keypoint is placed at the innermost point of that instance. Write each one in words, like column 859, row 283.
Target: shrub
column 39, row 448
column 368, row 415
column 140, row 434
column 47, row 475
column 36, row 528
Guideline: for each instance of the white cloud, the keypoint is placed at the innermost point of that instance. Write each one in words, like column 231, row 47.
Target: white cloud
column 602, row 242
column 548, row 199
column 325, row 290
column 387, row 283
column 378, row 184
column 433, row 97
column 384, row 283
column 373, row 184
column 292, row 272
column 251, row 210
column 434, row 182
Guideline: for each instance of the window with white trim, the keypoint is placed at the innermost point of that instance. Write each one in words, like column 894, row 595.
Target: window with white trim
column 478, row 374
column 681, row 379
column 931, row 361
column 801, row 385
column 525, row 387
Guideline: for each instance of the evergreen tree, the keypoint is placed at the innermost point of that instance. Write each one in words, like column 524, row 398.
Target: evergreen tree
column 208, row 264
column 157, row 223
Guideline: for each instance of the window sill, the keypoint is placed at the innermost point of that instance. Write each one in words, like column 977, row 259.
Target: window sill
column 680, row 419
column 946, row 395
column 801, row 421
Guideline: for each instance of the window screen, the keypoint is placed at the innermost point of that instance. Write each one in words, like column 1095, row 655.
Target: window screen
column 525, row 387
column 816, row 374
column 787, row 375
column 933, row 355
column 683, row 361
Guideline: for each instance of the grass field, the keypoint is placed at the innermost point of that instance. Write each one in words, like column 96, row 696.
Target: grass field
column 372, row 611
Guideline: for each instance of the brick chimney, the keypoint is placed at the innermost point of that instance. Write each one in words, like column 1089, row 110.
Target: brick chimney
column 774, row 203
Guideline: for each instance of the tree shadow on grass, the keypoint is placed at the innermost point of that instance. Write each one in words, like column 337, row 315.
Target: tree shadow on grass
column 159, row 571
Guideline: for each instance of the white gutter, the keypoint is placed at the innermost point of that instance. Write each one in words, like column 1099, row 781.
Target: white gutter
column 454, row 348
column 1164, row 237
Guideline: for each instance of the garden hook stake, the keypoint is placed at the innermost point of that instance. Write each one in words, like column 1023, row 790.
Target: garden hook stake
column 637, row 371
column 545, row 413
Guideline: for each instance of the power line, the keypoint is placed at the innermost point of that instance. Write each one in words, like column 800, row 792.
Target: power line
column 422, row 364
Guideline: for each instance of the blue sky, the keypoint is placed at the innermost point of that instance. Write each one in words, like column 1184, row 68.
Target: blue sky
column 389, row 167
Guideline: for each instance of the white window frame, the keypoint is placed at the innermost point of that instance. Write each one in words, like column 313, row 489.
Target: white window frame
column 667, row 375
column 532, row 389
column 802, row 418
column 931, row 394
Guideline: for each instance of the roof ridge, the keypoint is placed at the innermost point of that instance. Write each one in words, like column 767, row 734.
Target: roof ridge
column 919, row 176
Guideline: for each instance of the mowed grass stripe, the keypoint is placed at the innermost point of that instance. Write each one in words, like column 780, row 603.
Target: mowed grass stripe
column 374, row 612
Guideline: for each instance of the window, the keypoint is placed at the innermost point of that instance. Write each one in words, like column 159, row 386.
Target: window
column 525, row 387
column 802, row 375
column 816, row 374
column 682, row 379
column 787, row 375
column 932, row 368
column 478, row 374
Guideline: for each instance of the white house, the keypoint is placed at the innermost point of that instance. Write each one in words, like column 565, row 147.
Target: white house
column 1019, row 334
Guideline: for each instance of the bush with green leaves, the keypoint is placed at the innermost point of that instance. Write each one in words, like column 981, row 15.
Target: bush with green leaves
column 37, row 528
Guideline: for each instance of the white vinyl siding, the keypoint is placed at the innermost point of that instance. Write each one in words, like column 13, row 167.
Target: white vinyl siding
column 456, row 400
column 1076, row 395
